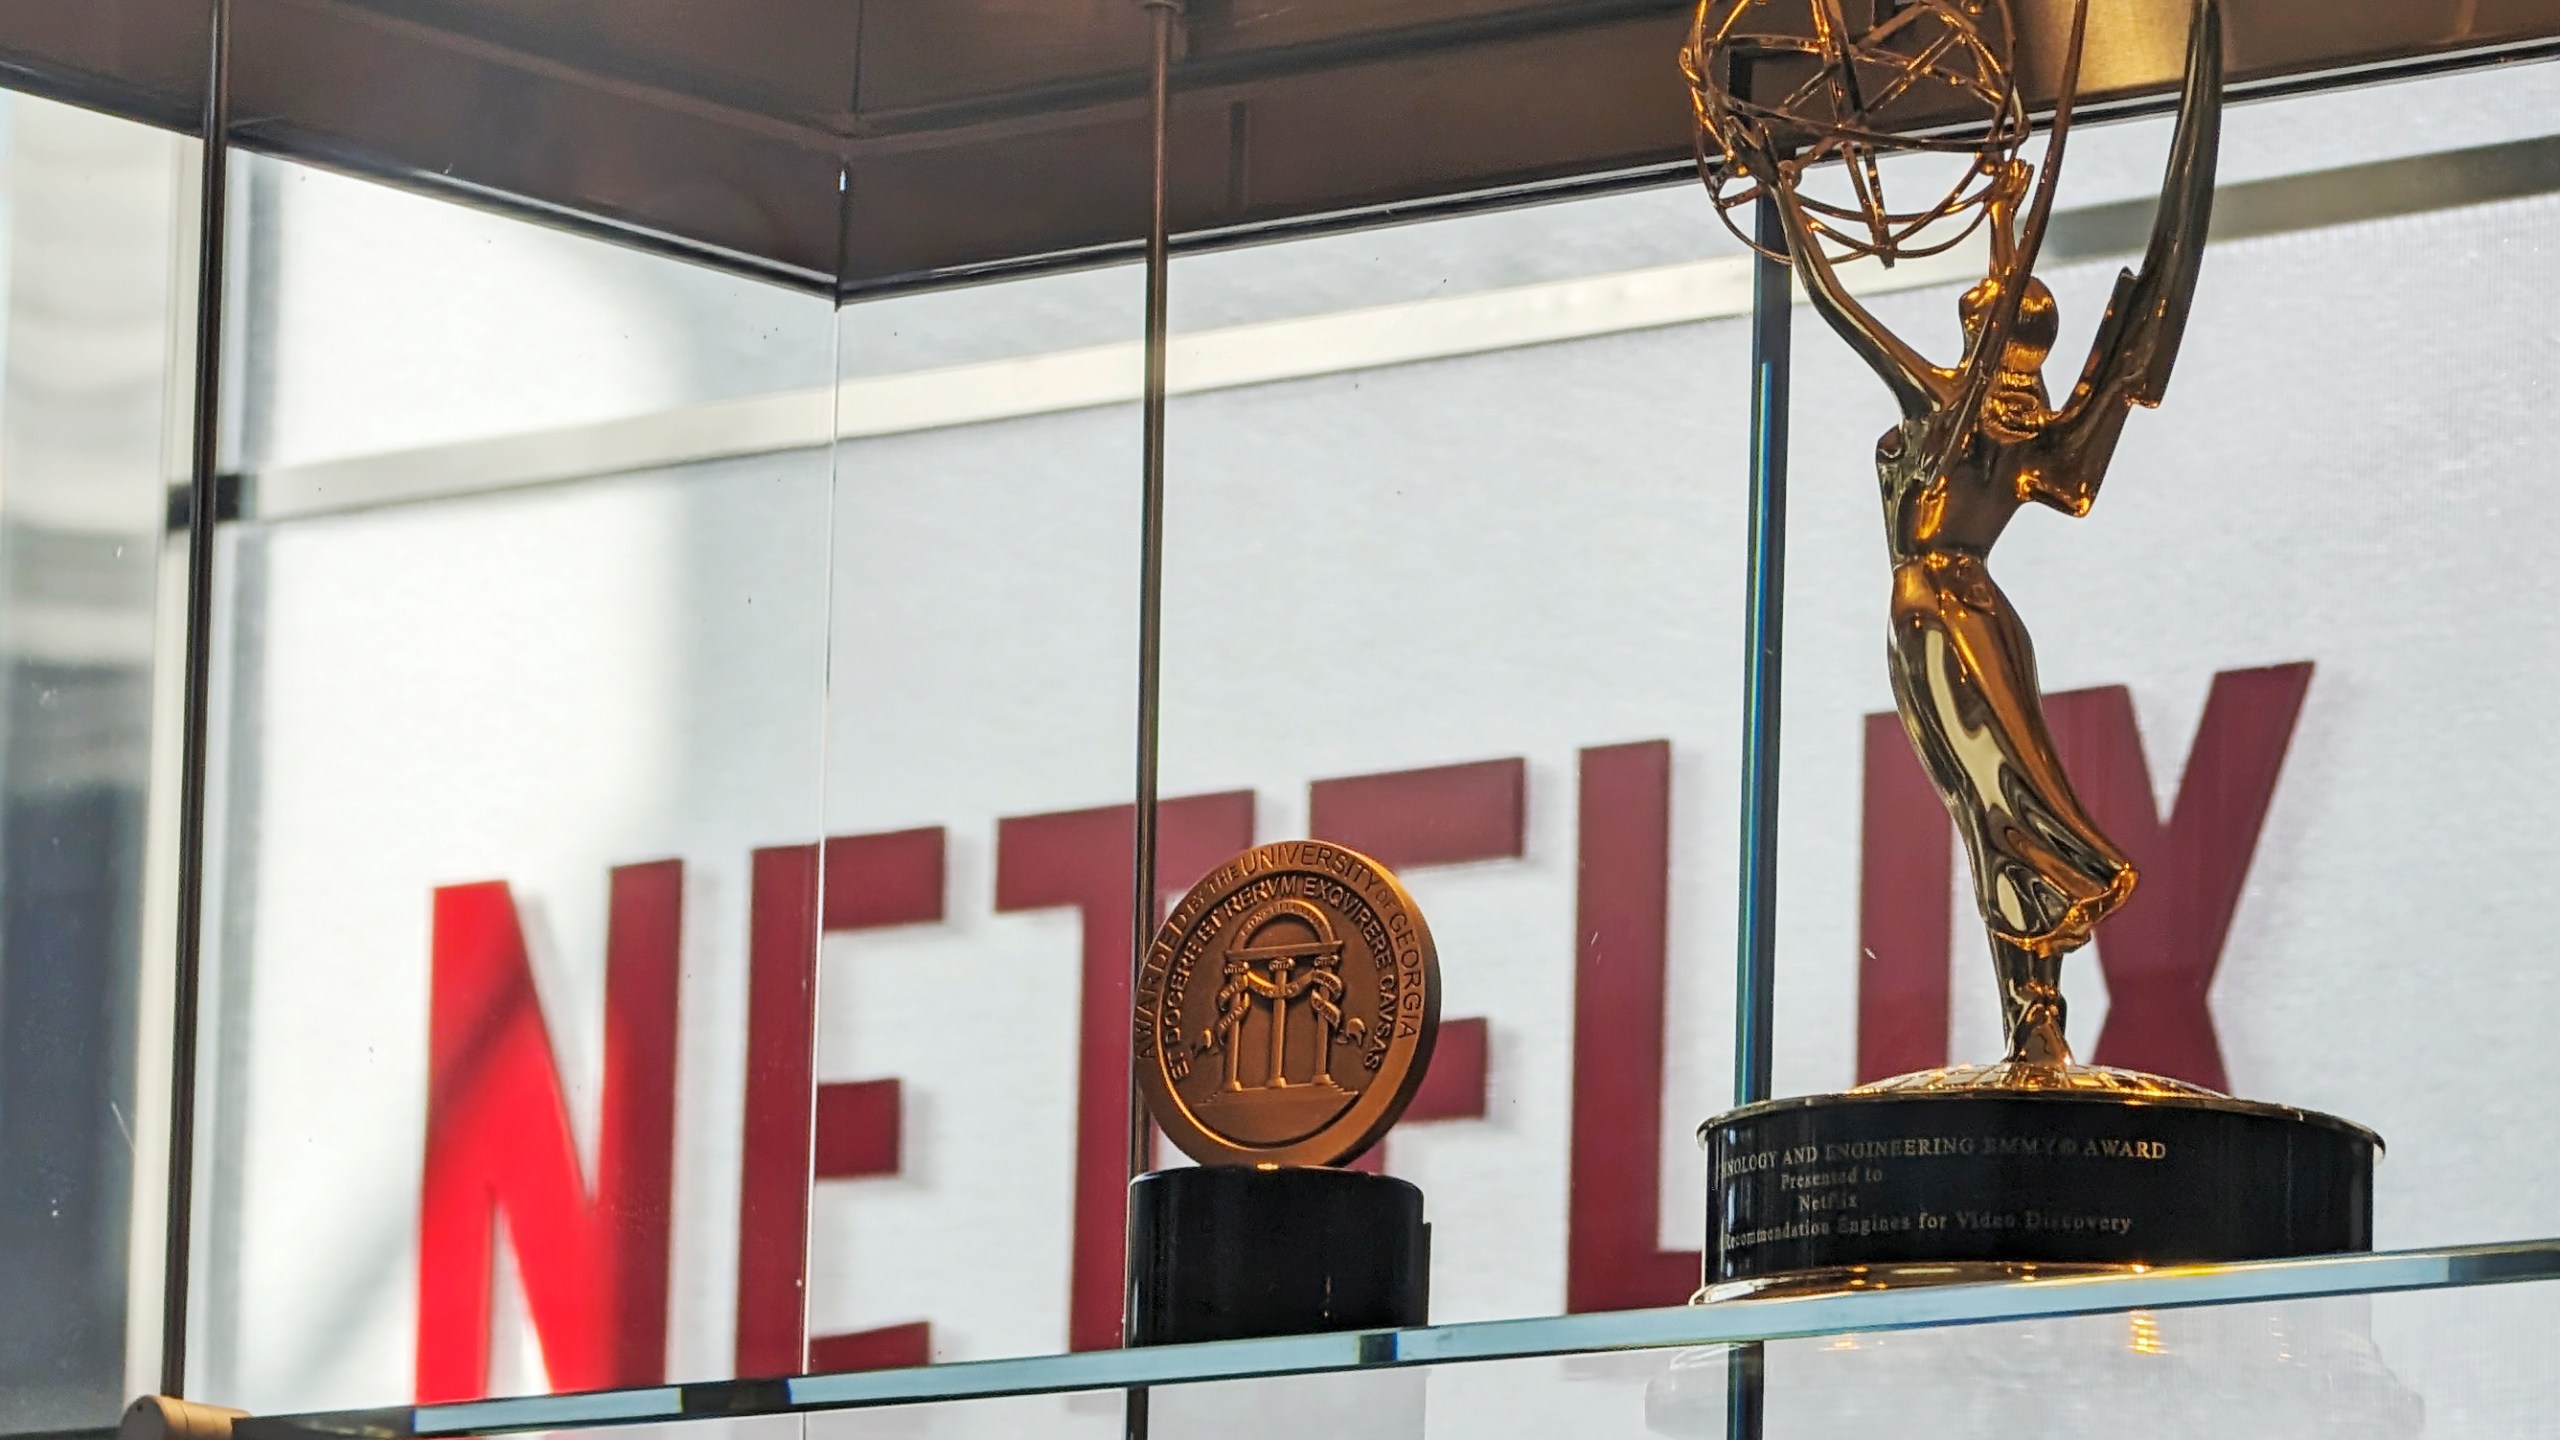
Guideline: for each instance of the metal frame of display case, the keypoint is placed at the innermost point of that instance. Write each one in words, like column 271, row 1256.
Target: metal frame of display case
column 1166, row 154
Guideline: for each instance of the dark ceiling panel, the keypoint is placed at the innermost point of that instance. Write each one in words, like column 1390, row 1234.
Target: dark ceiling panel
column 350, row 86
column 1516, row 106
column 1226, row 27
column 143, row 58
column 979, row 135
column 783, row 58
column 1064, row 185
column 974, row 51
column 1491, row 113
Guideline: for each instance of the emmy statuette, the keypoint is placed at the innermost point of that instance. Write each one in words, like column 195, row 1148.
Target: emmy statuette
column 2036, row 1164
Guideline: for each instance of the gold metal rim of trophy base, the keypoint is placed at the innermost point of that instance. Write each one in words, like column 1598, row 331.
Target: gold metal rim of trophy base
column 1855, row 1279
column 2220, row 1104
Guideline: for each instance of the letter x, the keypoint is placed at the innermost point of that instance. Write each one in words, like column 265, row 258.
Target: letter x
column 2161, row 951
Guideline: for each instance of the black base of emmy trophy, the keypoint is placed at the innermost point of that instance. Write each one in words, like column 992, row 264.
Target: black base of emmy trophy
column 1908, row 1186
column 1223, row 1252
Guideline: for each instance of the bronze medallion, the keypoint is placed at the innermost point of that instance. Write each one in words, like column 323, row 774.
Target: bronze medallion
column 1287, row 1008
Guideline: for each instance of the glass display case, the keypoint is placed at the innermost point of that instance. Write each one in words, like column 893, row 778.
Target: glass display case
column 590, row 767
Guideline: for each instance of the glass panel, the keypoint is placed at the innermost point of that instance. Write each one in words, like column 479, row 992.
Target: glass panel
column 983, row 671
column 391, row 348
column 2468, row 1279
column 1502, row 455
column 2394, row 1366
column 725, row 1427
column 1495, row 256
column 1598, row 1396
column 1468, row 602
column 521, row 720
column 97, row 224
column 2296, row 661
column 2446, row 1361
column 2302, row 134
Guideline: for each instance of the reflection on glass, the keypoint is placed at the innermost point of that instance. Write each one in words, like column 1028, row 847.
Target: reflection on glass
column 92, row 394
column 2306, row 1369
column 520, row 740
column 1379, row 1405
column 982, row 696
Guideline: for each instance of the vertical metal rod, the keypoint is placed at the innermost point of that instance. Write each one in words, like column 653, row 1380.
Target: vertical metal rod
column 1755, row 971
column 1745, row 1393
column 203, row 483
column 1142, row 901
column 1756, row 940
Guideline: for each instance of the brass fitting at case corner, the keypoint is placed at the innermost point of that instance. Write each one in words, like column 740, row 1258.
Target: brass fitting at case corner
column 164, row 1417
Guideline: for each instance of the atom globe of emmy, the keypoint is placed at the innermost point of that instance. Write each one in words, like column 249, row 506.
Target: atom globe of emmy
column 2034, row 1164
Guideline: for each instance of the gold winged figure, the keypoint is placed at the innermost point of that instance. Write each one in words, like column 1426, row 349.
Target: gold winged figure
column 1978, row 440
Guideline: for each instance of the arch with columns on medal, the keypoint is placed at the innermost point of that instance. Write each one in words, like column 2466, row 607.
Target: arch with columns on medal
column 1288, row 957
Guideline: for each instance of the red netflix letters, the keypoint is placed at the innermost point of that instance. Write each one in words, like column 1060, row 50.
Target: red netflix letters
column 1082, row 858
column 1410, row 819
column 594, row 1264
column 1621, row 926
column 498, row 1141
column 2159, row 953
column 797, row 1131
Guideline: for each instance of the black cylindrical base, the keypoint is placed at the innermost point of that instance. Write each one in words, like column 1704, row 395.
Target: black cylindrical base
column 2028, row 1177
column 1224, row 1252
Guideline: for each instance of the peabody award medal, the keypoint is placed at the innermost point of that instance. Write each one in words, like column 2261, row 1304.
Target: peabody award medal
column 1287, row 1009
column 1284, row 1018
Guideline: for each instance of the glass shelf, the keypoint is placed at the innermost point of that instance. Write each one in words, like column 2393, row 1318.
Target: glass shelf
column 1728, row 1323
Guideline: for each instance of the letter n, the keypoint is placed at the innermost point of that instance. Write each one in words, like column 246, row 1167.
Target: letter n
column 594, row 1267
